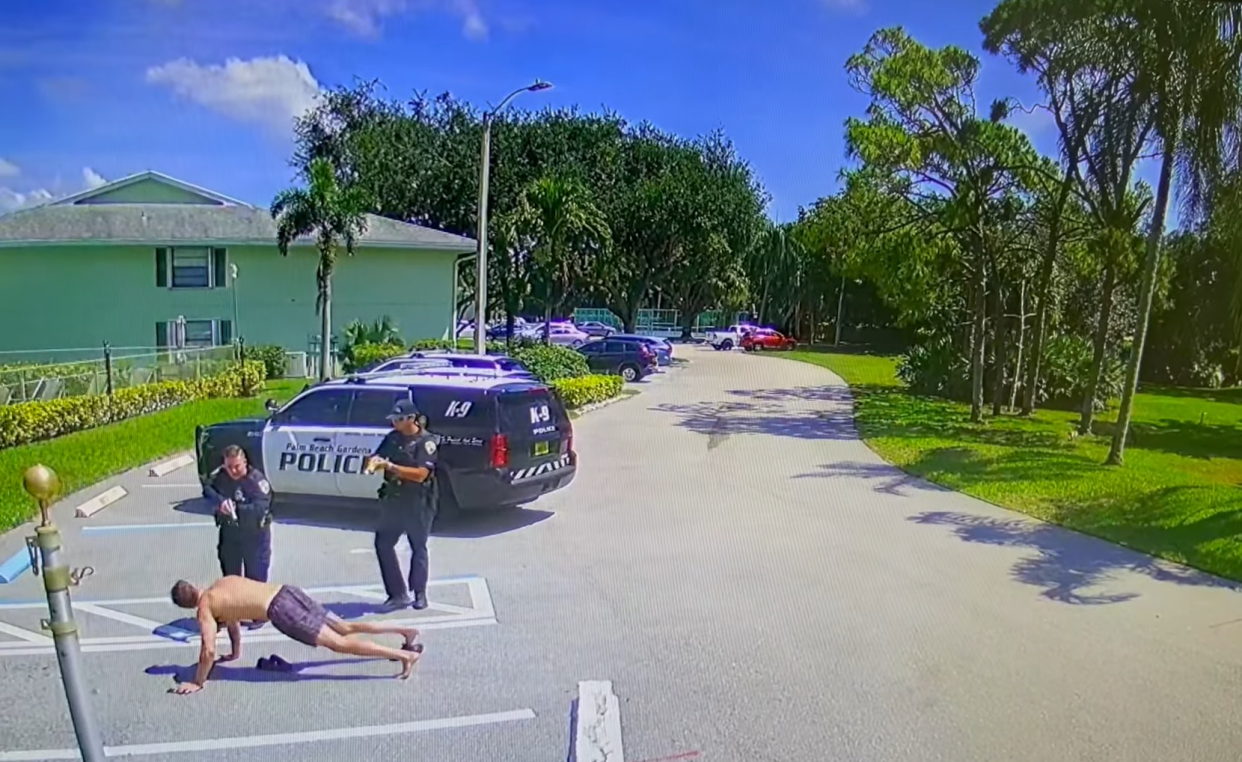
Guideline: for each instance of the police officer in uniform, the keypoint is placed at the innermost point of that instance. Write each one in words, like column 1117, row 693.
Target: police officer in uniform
column 243, row 501
column 408, row 503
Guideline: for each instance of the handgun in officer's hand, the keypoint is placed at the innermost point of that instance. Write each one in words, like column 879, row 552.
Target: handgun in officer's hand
column 375, row 463
column 228, row 509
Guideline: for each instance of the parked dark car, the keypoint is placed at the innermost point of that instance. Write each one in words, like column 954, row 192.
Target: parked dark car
column 663, row 348
column 628, row 358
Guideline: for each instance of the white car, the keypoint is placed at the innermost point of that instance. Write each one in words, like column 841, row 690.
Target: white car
column 563, row 334
column 729, row 337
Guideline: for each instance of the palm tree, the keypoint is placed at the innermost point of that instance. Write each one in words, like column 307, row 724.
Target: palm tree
column 1191, row 69
column 334, row 216
column 566, row 226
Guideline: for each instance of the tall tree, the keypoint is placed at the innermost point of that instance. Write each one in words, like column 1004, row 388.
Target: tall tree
column 567, row 231
column 1191, row 69
column 335, row 217
column 955, row 172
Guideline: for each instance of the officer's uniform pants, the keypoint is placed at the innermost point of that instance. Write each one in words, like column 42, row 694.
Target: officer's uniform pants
column 245, row 551
column 412, row 519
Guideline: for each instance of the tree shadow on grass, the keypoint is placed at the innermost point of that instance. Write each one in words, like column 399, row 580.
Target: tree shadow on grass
column 1066, row 563
column 1189, row 439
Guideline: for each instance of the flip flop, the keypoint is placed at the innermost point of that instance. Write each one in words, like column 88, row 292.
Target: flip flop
column 264, row 664
column 278, row 664
column 413, row 647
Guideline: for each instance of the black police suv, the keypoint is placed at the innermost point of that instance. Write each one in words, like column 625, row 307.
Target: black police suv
column 503, row 440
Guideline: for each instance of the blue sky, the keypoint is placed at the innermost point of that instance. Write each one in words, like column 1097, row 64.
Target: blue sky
column 205, row 90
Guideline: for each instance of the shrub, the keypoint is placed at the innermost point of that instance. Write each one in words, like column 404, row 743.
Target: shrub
column 1065, row 369
column 363, row 355
column 585, row 390
column 34, row 421
column 550, row 362
column 272, row 357
column 935, row 367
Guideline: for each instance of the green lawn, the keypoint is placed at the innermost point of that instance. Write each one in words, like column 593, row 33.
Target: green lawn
column 1177, row 496
column 86, row 457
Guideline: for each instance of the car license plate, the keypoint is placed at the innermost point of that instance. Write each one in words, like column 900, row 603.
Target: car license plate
column 542, row 448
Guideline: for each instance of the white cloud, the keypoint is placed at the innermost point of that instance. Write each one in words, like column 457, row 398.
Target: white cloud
column 9, row 169
column 92, row 178
column 268, row 91
column 365, row 18
column 12, row 200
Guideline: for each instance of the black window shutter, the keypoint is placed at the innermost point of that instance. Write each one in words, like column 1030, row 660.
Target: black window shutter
column 226, row 332
column 161, row 334
column 218, row 265
column 161, row 268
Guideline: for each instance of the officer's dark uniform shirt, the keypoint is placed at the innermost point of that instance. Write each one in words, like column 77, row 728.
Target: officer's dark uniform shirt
column 418, row 451
column 251, row 494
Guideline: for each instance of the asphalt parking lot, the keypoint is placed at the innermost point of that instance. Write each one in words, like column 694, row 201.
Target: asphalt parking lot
column 754, row 583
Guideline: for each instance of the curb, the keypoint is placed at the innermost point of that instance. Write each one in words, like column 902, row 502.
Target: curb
column 604, row 403
column 99, row 502
column 172, row 464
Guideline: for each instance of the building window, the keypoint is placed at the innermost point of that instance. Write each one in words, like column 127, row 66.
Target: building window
column 197, row 334
column 190, row 267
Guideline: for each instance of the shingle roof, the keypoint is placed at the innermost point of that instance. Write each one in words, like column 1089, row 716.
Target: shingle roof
column 192, row 223
column 163, row 223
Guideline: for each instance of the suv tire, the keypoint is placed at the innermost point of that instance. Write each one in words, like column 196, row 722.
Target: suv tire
column 630, row 372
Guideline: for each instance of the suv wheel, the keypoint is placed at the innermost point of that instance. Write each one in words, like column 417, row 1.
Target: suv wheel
column 728, row 344
column 630, row 373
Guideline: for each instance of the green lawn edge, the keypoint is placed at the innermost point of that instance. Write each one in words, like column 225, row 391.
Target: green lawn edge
column 87, row 457
column 1177, row 497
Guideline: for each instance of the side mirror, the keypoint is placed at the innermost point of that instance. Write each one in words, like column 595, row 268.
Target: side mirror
column 272, row 406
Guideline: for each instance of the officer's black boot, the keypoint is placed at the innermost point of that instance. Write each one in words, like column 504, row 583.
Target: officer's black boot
column 420, row 600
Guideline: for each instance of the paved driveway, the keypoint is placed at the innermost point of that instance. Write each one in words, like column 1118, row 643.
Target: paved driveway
column 754, row 582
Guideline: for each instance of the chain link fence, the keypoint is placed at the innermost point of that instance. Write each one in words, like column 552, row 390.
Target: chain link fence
column 39, row 375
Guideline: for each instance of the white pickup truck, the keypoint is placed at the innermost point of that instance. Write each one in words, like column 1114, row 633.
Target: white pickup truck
column 730, row 337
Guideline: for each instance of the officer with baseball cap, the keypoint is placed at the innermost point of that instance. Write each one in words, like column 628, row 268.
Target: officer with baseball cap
column 408, row 502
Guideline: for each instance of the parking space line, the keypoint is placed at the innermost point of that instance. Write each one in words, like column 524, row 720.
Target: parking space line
column 278, row 739
column 17, row 565
column 148, row 527
column 155, row 635
column 597, row 726
column 26, row 635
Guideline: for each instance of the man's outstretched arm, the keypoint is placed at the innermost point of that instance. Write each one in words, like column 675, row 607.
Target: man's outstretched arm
column 207, row 653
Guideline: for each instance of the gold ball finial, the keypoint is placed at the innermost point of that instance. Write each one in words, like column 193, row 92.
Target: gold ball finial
column 41, row 482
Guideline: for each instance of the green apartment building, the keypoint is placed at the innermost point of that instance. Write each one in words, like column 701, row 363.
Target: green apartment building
column 123, row 262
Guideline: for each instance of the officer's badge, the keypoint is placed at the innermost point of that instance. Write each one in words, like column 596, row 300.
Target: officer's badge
column 239, row 496
column 264, row 487
column 430, row 447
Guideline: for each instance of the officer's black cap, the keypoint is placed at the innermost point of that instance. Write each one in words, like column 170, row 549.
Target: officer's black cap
column 403, row 409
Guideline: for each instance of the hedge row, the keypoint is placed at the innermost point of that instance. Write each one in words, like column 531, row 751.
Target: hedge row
column 550, row 362
column 585, row 390
column 28, row 422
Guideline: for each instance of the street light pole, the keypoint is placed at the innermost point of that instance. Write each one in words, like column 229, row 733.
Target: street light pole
column 233, row 274
column 485, row 160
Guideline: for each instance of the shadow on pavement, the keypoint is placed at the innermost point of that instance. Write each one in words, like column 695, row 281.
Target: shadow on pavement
column 776, row 412
column 886, row 479
column 467, row 524
column 1067, row 563
column 299, row 672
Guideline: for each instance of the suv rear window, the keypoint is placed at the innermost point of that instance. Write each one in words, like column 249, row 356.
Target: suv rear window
column 455, row 410
column 522, row 411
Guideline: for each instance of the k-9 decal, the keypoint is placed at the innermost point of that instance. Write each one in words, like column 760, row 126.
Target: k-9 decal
column 458, row 409
column 539, row 414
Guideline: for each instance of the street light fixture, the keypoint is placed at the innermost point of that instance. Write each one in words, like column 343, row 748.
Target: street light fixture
column 480, row 309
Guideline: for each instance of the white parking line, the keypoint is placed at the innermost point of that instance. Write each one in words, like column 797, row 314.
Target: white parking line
column 277, row 739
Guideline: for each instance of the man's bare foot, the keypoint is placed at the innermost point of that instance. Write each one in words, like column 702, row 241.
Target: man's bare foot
column 408, row 659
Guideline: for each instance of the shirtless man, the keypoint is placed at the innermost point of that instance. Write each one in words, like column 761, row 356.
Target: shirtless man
column 233, row 600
